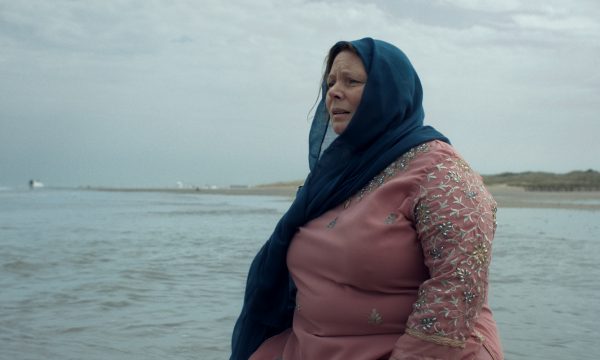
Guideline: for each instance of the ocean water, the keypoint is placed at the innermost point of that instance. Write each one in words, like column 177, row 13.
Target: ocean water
column 133, row 275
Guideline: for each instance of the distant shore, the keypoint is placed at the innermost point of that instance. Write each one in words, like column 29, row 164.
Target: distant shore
column 506, row 196
column 517, row 197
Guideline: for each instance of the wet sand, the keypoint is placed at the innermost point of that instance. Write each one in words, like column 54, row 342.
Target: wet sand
column 516, row 197
column 506, row 196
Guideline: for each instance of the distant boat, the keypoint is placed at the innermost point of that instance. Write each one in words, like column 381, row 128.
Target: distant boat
column 34, row 184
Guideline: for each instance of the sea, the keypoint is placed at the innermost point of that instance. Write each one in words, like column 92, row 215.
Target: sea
column 105, row 275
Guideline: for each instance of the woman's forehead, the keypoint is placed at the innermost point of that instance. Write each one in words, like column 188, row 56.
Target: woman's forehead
column 347, row 61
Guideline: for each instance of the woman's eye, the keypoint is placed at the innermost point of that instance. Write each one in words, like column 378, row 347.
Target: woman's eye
column 330, row 84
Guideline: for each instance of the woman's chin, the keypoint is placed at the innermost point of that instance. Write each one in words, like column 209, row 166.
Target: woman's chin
column 339, row 126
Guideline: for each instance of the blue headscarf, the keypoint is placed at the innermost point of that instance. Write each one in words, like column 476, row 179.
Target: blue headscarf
column 387, row 123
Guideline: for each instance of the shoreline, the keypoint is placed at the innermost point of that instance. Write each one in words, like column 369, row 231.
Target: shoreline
column 517, row 197
column 506, row 196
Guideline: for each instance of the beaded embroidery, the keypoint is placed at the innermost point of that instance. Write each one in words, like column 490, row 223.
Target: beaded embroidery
column 390, row 219
column 455, row 219
column 392, row 169
column 331, row 224
column 375, row 317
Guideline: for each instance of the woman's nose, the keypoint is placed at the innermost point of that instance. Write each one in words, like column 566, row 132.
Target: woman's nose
column 335, row 91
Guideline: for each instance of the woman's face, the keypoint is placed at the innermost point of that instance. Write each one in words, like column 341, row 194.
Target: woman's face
column 345, row 82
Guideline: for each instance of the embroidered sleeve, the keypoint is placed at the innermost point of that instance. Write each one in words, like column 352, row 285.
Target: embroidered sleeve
column 455, row 219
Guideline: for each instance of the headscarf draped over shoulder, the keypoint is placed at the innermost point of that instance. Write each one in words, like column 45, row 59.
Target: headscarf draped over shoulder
column 387, row 123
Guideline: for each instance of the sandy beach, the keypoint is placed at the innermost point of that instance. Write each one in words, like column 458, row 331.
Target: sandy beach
column 516, row 197
column 506, row 196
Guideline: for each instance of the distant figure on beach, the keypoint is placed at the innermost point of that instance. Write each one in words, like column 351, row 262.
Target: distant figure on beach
column 34, row 184
column 385, row 252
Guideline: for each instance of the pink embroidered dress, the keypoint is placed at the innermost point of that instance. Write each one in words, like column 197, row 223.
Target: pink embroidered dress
column 398, row 271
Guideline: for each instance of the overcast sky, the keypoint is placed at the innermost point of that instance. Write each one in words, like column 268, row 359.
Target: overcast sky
column 148, row 93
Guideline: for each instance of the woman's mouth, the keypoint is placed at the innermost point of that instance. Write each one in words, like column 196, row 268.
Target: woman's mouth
column 339, row 114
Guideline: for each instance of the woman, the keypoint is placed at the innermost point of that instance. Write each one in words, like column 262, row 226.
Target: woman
column 384, row 253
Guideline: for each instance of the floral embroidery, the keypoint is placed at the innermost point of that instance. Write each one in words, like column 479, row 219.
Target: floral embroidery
column 347, row 203
column 454, row 176
column 436, row 253
column 455, row 219
column 469, row 296
column 479, row 336
column 422, row 213
column 390, row 219
column 331, row 225
column 470, row 194
column 375, row 317
column 480, row 253
column 445, row 228
column 392, row 169
column 418, row 306
column 462, row 274
column 427, row 323
column 462, row 165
